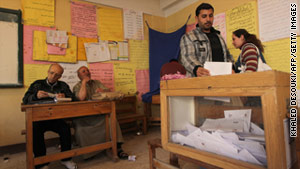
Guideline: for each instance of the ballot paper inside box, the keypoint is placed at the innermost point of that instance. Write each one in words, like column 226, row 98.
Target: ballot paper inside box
column 233, row 129
column 215, row 126
column 241, row 129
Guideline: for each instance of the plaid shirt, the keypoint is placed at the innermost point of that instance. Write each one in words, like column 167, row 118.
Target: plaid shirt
column 196, row 50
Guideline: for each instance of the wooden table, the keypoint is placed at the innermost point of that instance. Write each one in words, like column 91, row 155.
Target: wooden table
column 41, row 112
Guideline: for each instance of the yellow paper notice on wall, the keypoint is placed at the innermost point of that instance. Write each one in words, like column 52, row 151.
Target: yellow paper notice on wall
column 33, row 72
column 124, row 74
column 139, row 53
column 241, row 17
column 38, row 12
column 278, row 55
column 110, row 24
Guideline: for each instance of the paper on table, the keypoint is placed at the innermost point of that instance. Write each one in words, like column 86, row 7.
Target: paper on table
column 63, row 99
column 218, row 68
column 51, row 95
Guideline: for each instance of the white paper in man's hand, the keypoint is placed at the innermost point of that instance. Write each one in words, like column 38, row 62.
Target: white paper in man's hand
column 218, row 68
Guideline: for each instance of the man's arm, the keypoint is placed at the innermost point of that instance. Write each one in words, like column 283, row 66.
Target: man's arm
column 81, row 92
column 34, row 93
column 188, row 56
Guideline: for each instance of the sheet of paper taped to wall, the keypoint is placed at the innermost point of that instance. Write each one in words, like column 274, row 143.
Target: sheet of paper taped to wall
column 108, row 96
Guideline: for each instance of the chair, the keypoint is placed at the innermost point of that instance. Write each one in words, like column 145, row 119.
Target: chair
column 126, row 113
column 152, row 121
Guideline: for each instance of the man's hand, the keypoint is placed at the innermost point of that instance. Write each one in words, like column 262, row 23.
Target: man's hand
column 42, row 94
column 86, row 79
column 202, row 72
column 99, row 90
column 60, row 95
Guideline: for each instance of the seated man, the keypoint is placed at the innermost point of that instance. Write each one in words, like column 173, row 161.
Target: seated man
column 90, row 130
column 40, row 91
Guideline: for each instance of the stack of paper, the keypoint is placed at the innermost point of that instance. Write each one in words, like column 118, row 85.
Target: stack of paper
column 233, row 136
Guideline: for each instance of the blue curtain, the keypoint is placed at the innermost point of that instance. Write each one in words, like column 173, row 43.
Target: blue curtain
column 162, row 48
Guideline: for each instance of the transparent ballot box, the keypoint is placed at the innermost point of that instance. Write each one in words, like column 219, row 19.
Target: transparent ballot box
column 229, row 121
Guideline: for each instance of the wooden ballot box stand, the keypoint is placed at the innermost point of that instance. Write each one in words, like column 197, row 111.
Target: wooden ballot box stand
column 270, row 87
column 40, row 112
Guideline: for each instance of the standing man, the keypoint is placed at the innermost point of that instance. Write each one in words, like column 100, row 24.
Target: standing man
column 203, row 44
column 44, row 90
column 90, row 130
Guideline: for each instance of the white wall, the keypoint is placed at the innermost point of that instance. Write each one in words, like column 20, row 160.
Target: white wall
column 170, row 7
column 146, row 6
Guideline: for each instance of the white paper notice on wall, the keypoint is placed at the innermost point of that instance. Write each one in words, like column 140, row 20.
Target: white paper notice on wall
column 70, row 72
column 133, row 24
column 274, row 19
column 57, row 38
column 97, row 52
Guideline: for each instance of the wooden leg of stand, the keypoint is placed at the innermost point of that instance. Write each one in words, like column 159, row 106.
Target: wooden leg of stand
column 174, row 160
column 151, row 155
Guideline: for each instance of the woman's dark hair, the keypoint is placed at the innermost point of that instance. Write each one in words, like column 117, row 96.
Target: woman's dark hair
column 203, row 6
column 249, row 38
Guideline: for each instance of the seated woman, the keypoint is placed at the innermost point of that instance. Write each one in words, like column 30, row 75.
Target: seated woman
column 251, row 49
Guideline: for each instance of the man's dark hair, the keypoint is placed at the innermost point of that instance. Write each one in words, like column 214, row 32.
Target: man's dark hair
column 203, row 6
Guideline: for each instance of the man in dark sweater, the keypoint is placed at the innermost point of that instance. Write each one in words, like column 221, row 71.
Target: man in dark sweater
column 44, row 91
